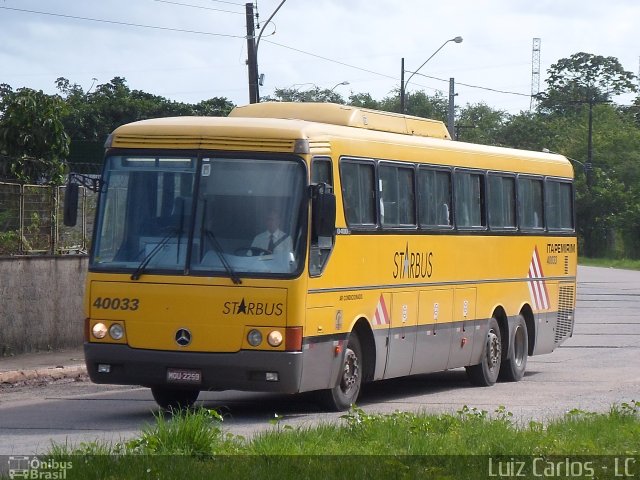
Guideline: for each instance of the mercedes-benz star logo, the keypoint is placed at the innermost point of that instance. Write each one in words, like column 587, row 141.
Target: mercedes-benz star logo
column 183, row 337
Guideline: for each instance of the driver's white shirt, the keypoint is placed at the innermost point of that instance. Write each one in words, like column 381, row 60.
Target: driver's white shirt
column 262, row 241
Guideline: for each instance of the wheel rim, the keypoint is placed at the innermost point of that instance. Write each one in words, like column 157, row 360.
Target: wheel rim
column 518, row 346
column 351, row 372
column 494, row 349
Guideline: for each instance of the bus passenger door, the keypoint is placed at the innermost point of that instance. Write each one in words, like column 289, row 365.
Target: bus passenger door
column 464, row 325
column 433, row 340
column 402, row 334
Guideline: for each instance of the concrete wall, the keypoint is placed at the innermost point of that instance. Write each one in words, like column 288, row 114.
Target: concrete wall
column 41, row 303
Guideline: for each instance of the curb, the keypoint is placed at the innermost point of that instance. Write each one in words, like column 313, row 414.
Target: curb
column 49, row 373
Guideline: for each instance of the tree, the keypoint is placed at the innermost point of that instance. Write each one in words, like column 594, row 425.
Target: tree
column 635, row 110
column 363, row 100
column 584, row 78
column 600, row 211
column 479, row 123
column 32, row 135
column 528, row 131
column 92, row 116
column 418, row 104
column 315, row 94
column 213, row 107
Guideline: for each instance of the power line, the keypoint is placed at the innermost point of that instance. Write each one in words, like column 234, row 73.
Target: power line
column 127, row 24
column 392, row 77
column 230, row 3
column 198, row 6
column 196, row 32
column 476, row 86
column 331, row 60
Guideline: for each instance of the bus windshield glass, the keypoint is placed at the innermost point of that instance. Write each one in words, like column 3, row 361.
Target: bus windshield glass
column 214, row 216
column 248, row 217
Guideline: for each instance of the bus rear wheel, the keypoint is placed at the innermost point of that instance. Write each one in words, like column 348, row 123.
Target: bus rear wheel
column 346, row 392
column 486, row 372
column 174, row 399
column 513, row 367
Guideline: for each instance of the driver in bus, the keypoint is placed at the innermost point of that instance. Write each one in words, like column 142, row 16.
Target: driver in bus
column 273, row 240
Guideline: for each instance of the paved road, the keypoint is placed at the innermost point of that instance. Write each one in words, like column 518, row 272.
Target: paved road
column 596, row 368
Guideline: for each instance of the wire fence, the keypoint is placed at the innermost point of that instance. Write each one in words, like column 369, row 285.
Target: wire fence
column 31, row 220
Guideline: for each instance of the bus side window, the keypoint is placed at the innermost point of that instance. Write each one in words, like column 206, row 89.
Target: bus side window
column 321, row 171
column 530, row 205
column 358, row 192
column 502, row 201
column 469, row 193
column 559, row 204
column 434, row 198
column 397, row 197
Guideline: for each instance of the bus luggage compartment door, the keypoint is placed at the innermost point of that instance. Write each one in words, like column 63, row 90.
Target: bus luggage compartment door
column 464, row 326
column 402, row 334
column 434, row 331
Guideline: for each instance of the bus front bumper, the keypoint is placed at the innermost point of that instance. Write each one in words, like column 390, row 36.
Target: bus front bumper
column 247, row 370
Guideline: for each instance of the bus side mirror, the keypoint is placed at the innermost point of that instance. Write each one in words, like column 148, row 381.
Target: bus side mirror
column 323, row 211
column 71, row 204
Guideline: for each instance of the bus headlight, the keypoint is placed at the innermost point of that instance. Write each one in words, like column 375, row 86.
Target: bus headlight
column 254, row 337
column 274, row 338
column 116, row 331
column 99, row 330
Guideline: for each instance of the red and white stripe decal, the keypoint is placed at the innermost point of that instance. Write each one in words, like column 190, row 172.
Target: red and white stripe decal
column 537, row 286
column 381, row 317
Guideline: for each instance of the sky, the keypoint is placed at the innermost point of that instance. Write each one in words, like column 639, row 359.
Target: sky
column 192, row 50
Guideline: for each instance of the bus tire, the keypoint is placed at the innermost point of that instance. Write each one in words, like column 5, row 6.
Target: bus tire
column 174, row 399
column 513, row 367
column 345, row 393
column 486, row 372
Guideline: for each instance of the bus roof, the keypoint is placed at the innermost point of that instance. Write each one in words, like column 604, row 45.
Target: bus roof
column 346, row 116
column 280, row 126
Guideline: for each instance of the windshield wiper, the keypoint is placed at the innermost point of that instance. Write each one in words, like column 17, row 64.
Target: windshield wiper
column 218, row 249
column 145, row 261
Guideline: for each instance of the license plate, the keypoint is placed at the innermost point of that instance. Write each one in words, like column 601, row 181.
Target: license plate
column 179, row 375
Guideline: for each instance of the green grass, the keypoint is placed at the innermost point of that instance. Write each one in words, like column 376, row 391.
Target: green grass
column 193, row 444
column 624, row 263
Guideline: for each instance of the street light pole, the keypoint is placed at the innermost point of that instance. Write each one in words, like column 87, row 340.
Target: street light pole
column 338, row 84
column 403, row 85
column 590, row 143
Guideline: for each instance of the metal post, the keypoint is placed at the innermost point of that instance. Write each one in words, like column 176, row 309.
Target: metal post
column 402, row 86
column 451, row 112
column 21, row 219
column 54, row 244
column 590, row 144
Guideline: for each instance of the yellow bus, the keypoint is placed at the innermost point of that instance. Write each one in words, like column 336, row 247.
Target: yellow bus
column 296, row 247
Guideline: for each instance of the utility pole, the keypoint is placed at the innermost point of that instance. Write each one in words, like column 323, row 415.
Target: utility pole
column 252, row 58
column 402, row 85
column 452, row 109
column 589, row 164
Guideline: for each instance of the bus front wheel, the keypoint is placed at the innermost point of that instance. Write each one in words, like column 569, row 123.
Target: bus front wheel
column 174, row 399
column 486, row 372
column 513, row 367
column 346, row 392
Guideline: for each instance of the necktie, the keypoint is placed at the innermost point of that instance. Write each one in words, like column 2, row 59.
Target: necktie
column 271, row 243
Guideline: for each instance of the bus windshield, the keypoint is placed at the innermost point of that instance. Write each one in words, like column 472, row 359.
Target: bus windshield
column 231, row 217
